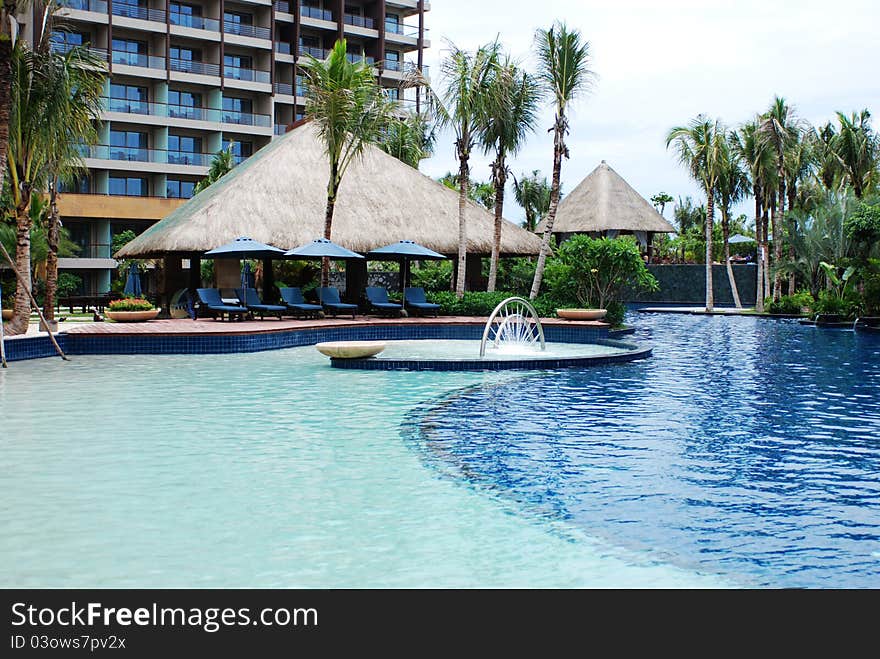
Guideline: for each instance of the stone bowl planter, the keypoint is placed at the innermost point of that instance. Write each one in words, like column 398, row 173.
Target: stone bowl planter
column 132, row 316
column 581, row 314
column 351, row 349
column 7, row 315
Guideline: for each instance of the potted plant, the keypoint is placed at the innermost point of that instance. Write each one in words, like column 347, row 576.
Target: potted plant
column 131, row 310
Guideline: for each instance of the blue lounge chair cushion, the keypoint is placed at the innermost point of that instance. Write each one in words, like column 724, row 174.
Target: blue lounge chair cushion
column 294, row 299
column 253, row 302
column 210, row 297
column 378, row 297
column 329, row 296
column 415, row 297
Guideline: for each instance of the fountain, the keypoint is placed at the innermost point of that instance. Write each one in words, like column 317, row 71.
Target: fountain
column 514, row 325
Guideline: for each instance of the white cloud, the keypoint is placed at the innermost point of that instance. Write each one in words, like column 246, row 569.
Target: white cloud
column 661, row 63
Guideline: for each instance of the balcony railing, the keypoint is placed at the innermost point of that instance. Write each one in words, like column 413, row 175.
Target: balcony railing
column 98, row 6
column 242, row 73
column 314, row 12
column 237, row 159
column 359, row 21
column 245, row 118
column 137, row 59
column 393, row 65
column 142, row 13
column 279, row 129
column 196, row 22
column 129, row 106
column 136, row 154
column 247, row 30
column 282, row 47
column 191, row 112
column 282, row 6
column 191, row 66
column 355, row 57
column 188, row 158
column 283, row 88
column 314, row 51
column 67, row 47
column 93, row 250
column 402, row 29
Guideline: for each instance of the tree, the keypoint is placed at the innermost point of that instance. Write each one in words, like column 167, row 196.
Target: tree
column 479, row 192
column 464, row 108
column 350, row 110
column 702, row 148
column 828, row 168
column 563, row 70
column 532, row 192
column 660, row 200
column 9, row 9
column 733, row 185
column 74, row 86
column 408, row 138
column 856, row 148
column 221, row 164
column 512, row 114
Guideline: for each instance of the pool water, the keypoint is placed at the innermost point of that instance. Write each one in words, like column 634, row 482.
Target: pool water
column 747, row 448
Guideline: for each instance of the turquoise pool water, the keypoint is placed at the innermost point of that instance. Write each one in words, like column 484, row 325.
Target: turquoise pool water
column 267, row 470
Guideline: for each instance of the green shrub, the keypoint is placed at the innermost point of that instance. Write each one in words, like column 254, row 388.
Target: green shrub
column 433, row 275
column 481, row 303
column 616, row 312
column 871, row 281
column 830, row 303
column 130, row 304
column 790, row 304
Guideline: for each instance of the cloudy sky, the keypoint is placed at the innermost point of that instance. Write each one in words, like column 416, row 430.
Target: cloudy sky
column 660, row 63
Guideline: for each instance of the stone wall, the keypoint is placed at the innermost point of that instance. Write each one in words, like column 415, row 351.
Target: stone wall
column 686, row 284
column 389, row 280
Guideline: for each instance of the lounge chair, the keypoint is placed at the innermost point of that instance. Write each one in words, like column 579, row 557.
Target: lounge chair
column 252, row 301
column 378, row 299
column 297, row 304
column 416, row 300
column 210, row 299
column 329, row 297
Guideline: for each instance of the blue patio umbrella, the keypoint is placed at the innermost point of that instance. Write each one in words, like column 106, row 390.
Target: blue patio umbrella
column 133, row 282
column 245, row 248
column 322, row 248
column 404, row 251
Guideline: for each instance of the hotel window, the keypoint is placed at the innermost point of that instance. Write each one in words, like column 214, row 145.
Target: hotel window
column 184, row 105
column 393, row 94
column 62, row 40
column 128, row 186
column 186, row 15
column 80, row 185
column 185, row 150
column 240, row 150
column 237, row 18
column 392, row 23
column 128, row 98
column 128, row 51
column 128, row 145
column 392, row 60
column 238, row 67
column 131, row 8
column 177, row 189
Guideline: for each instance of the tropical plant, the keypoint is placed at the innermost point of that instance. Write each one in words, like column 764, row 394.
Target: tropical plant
column 221, row 164
column 733, row 186
column 863, row 228
column 660, row 200
column 702, row 148
column 464, row 108
column 409, row 138
column 563, row 70
column 828, row 168
column 532, row 192
column 857, row 149
column 130, row 304
column 9, row 10
column 791, row 305
column 512, row 114
column 350, row 110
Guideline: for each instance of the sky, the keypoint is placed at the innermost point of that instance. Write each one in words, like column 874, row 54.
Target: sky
column 659, row 64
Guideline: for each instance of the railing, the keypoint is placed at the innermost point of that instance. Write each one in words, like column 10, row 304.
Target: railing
column 402, row 29
column 314, row 12
column 67, row 47
column 300, row 86
column 393, row 65
column 282, row 47
column 355, row 57
column 247, row 30
column 188, row 158
column 93, row 251
column 136, row 154
column 245, row 118
column 282, row 6
column 237, row 160
column 279, row 129
column 242, row 73
column 129, row 106
column 98, row 6
column 409, row 67
column 314, row 51
column 191, row 112
column 283, row 88
column 142, row 13
column 359, row 21
column 137, row 59
column 191, row 66
column 196, row 22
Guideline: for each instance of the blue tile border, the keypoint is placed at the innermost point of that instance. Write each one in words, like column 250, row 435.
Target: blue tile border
column 187, row 344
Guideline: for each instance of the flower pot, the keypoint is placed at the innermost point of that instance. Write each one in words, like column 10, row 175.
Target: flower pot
column 581, row 314
column 7, row 315
column 132, row 316
column 351, row 349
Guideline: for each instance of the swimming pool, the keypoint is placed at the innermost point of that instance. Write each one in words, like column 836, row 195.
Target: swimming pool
column 271, row 469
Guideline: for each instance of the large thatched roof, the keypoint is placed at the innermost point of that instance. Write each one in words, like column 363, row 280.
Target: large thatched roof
column 278, row 197
column 605, row 202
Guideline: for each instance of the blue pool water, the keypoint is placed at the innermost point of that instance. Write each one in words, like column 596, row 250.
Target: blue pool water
column 745, row 447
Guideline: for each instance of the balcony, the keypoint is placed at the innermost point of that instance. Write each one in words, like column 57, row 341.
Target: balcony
column 128, row 106
column 282, row 6
column 279, row 129
column 402, row 29
column 191, row 66
column 248, row 75
column 354, row 58
column 359, row 21
column 245, row 118
column 314, row 12
column 242, row 30
column 137, row 59
column 282, row 47
column 237, row 159
column 97, row 6
column 314, row 51
column 66, row 48
column 136, row 154
column 195, row 22
column 188, row 158
column 141, row 13
column 283, row 88
column 191, row 112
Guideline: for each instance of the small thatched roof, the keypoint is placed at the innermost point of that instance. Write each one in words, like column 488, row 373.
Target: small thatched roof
column 605, row 202
column 278, row 196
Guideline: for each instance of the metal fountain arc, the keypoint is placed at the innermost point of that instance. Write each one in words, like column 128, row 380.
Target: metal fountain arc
column 515, row 323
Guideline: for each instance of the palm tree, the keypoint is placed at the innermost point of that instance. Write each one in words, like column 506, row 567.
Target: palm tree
column 660, row 200
column 350, row 110
column 511, row 116
column 856, row 148
column 221, row 164
column 751, row 145
column 408, row 138
column 9, row 9
column 563, row 70
column 532, row 192
column 702, row 148
column 828, row 168
column 799, row 164
column 75, row 84
column 733, row 185
column 464, row 108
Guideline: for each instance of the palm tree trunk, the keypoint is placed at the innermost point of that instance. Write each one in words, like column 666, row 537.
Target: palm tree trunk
column 464, row 174
column 725, row 229
column 710, row 218
column 558, row 151
column 500, row 176
column 53, row 236
column 792, row 199
column 759, row 245
column 22, row 305
column 765, row 251
column 5, row 98
column 777, row 240
column 332, row 187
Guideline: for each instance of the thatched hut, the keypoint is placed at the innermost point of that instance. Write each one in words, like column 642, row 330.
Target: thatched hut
column 604, row 204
